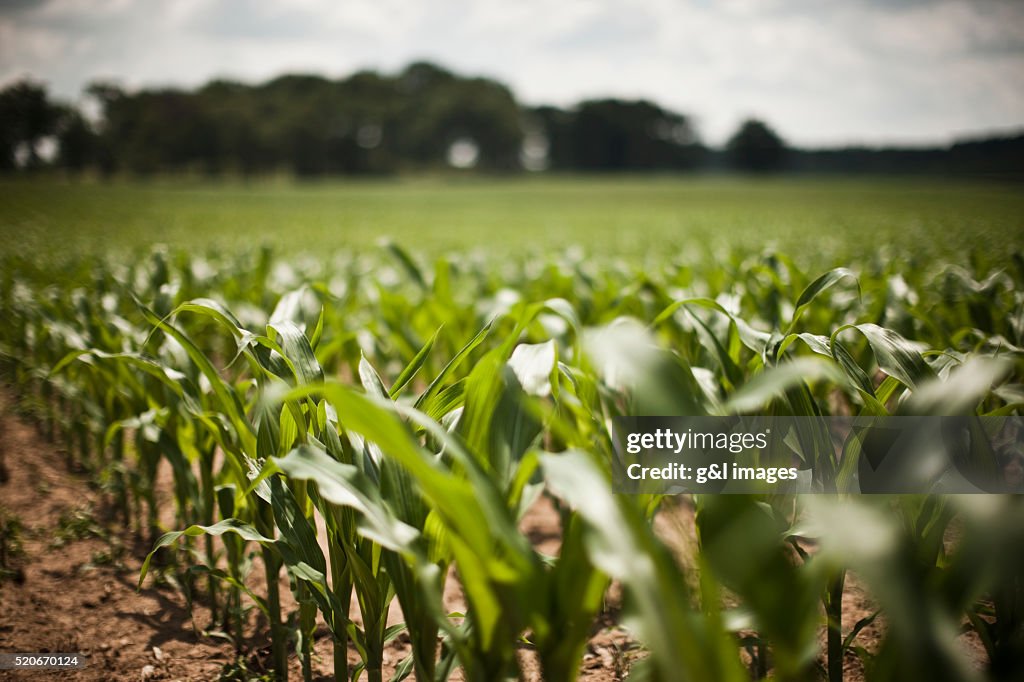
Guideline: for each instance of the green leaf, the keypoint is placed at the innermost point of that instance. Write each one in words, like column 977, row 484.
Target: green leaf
column 423, row 401
column 413, row 367
column 370, row 380
column 895, row 355
column 297, row 351
column 775, row 381
column 815, row 288
column 346, row 486
column 407, row 263
column 966, row 386
column 240, row 528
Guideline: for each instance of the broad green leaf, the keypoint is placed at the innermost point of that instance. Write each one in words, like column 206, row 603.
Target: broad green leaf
column 345, row 485
column 296, row 349
column 243, row 530
column 966, row 386
column 775, row 381
column 894, row 354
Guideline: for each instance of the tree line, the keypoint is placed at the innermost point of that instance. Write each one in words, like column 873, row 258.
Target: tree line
column 421, row 118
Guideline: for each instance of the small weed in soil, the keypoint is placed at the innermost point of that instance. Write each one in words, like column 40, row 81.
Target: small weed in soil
column 11, row 550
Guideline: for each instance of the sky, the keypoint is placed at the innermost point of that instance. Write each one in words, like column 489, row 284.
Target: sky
column 821, row 72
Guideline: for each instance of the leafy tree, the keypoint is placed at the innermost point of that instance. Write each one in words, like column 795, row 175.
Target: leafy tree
column 436, row 108
column 613, row 134
column 115, row 123
column 76, row 140
column 26, row 117
column 756, row 148
column 554, row 126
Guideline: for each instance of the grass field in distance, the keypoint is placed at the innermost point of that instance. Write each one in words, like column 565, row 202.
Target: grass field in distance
column 823, row 221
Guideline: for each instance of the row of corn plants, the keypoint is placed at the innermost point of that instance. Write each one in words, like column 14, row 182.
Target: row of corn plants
column 365, row 429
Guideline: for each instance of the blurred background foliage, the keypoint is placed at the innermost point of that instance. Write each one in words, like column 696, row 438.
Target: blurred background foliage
column 424, row 117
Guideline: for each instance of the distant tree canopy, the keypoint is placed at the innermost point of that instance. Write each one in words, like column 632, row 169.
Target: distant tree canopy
column 309, row 125
column 617, row 135
column 367, row 123
column 27, row 117
column 420, row 118
column 756, row 148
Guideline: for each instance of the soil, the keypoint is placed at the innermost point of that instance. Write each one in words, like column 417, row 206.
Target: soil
column 75, row 588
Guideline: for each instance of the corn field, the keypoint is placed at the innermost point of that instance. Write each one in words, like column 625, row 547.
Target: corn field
column 364, row 428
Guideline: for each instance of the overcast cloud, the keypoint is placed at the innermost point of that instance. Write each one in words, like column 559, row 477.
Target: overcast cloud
column 820, row 71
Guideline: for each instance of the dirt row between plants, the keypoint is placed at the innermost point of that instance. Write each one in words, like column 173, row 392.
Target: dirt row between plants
column 74, row 588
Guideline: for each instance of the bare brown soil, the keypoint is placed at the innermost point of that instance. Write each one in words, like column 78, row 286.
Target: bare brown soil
column 81, row 597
